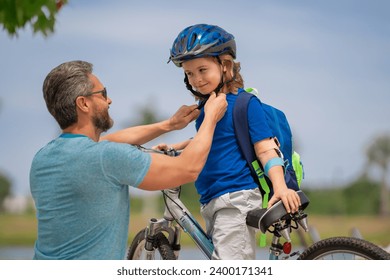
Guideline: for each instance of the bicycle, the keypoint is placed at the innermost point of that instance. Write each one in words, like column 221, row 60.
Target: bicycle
column 163, row 235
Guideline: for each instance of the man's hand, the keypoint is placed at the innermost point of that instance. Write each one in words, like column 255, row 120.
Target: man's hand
column 183, row 117
column 187, row 166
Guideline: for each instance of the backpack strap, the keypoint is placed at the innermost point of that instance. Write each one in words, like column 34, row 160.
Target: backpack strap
column 241, row 128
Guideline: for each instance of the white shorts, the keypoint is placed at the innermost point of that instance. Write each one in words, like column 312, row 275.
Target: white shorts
column 225, row 218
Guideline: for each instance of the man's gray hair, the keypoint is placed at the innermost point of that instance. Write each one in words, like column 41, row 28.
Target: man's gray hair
column 61, row 88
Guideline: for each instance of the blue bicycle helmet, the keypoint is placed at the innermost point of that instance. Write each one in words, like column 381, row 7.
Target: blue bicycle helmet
column 202, row 40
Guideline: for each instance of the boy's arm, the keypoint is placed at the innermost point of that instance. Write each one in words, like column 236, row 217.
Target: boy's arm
column 177, row 146
column 265, row 151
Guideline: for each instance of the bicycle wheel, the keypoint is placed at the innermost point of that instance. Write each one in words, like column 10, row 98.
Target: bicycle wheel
column 136, row 250
column 344, row 248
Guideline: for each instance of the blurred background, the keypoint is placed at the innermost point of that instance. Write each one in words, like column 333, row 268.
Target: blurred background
column 326, row 64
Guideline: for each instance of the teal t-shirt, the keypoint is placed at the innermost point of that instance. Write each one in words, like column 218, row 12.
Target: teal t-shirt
column 80, row 190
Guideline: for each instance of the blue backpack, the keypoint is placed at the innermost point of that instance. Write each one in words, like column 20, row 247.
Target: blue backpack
column 278, row 123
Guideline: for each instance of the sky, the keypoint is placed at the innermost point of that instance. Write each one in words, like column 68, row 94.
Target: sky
column 326, row 64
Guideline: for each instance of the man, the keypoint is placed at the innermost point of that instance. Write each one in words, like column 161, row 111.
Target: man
column 79, row 181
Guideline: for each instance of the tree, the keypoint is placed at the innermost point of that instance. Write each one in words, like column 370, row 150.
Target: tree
column 5, row 185
column 5, row 188
column 362, row 197
column 378, row 153
column 40, row 14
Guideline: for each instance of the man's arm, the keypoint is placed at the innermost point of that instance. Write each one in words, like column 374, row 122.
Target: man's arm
column 168, row 172
column 139, row 135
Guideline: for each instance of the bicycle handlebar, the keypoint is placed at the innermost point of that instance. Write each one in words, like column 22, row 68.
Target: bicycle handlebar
column 170, row 152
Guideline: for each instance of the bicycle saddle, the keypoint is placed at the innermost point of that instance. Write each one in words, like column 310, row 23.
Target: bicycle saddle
column 264, row 218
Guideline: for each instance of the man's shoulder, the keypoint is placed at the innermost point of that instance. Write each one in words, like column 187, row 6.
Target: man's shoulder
column 117, row 151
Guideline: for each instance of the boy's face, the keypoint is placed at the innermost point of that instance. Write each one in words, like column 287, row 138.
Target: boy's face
column 204, row 74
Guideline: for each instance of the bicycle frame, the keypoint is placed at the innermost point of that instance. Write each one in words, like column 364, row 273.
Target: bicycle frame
column 263, row 219
column 176, row 211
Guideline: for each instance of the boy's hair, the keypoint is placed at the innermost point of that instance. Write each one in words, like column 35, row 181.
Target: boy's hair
column 234, row 80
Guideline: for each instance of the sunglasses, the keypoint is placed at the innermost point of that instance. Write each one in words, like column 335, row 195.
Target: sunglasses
column 103, row 92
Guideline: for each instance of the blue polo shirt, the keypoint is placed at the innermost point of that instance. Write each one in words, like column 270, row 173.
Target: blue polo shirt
column 226, row 169
column 80, row 190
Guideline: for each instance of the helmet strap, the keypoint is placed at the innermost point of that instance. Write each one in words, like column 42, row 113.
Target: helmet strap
column 221, row 83
column 194, row 92
column 220, row 86
column 216, row 90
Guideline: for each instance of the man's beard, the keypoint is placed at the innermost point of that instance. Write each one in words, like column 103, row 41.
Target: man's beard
column 102, row 120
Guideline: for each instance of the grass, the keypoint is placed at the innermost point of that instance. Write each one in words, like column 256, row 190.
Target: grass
column 21, row 230
column 372, row 228
column 17, row 230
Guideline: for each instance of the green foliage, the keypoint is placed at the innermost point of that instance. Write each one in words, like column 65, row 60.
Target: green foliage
column 379, row 151
column 326, row 201
column 148, row 115
column 362, row 197
column 358, row 198
column 40, row 14
column 190, row 197
column 5, row 188
column 135, row 204
column 378, row 154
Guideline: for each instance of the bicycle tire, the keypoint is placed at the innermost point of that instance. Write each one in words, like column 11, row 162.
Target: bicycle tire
column 136, row 249
column 344, row 248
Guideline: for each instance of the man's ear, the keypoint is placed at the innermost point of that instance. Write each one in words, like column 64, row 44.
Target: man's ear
column 82, row 103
